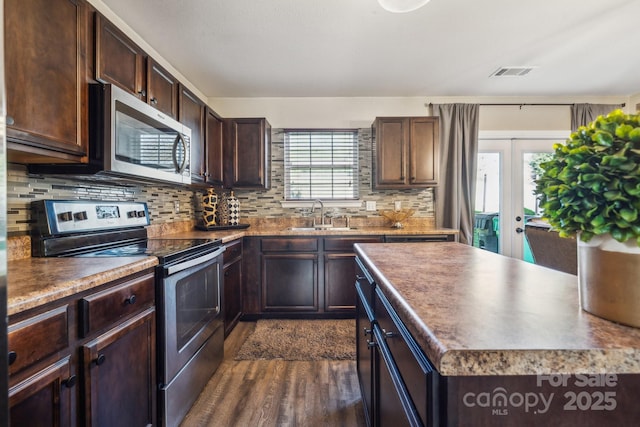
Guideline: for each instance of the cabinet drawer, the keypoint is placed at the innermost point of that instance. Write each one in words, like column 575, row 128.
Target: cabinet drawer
column 286, row 245
column 232, row 251
column 38, row 337
column 345, row 244
column 415, row 370
column 107, row 307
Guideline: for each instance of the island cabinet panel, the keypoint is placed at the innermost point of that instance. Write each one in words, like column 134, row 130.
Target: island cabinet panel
column 46, row 80
column 365, row 346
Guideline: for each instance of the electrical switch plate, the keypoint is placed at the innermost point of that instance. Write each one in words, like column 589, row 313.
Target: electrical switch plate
column 397, row 205
column 371, row 205
column 176, row 206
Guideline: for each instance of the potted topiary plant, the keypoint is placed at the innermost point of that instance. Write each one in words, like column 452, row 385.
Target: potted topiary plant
column 590, row 189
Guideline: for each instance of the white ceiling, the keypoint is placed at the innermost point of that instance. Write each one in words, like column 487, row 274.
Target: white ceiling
column 335, row 48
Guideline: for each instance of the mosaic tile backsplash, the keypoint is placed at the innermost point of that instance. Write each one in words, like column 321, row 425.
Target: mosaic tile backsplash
column 173, row 204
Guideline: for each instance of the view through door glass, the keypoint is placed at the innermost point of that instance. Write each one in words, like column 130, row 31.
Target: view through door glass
column 506, row 174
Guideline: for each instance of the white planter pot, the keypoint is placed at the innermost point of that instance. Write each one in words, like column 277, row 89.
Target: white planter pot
column 609, row 279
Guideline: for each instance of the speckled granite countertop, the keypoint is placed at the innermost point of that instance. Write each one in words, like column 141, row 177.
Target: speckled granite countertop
column 36, row 281
column 474, row 312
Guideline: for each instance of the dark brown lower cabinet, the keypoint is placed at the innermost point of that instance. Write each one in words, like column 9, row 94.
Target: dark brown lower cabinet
column 119, row 374
column 232, row 297
column 89, row 359
column 45, row 399
column 290, row 282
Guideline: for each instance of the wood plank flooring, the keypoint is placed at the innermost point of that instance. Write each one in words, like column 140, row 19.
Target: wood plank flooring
column 268, row 393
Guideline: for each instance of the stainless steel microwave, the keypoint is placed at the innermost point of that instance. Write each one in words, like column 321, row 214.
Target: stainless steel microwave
column 129, row 139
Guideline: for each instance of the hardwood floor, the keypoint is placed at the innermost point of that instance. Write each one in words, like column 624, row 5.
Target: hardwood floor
column 277, row 393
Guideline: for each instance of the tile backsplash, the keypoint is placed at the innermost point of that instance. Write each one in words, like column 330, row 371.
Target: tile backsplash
column 22, row 188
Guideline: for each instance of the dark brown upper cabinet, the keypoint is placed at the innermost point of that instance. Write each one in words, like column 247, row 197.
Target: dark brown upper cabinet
column 46, row 80
column 191, row 114
column 119, row 60
column 407, row 152
column 162, row 89
column 248, row 153
column 214, row 146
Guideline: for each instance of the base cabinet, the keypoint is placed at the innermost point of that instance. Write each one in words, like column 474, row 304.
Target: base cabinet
column 86, row 360
column 232, row 295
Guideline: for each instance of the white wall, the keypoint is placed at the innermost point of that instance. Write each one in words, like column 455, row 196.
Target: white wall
column 360, row 112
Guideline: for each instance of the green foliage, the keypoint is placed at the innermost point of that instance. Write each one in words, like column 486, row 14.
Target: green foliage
column 591, row 184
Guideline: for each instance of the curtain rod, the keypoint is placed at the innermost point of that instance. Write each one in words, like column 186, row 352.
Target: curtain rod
column 525, row 104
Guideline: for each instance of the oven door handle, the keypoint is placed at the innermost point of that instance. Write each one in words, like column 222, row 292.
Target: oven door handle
column 193, row 262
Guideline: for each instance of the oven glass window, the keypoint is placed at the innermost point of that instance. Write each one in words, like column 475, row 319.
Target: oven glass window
column 197, row 302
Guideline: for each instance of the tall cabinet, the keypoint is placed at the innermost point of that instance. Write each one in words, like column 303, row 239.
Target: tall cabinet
column 407, row 152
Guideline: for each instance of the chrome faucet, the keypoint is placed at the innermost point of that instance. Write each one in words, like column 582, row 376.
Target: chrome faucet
column 313, row 209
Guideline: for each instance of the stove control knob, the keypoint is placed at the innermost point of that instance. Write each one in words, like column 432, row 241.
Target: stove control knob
column 80, row 216
column 65, row 216
column 141, row 214
column 131, row 214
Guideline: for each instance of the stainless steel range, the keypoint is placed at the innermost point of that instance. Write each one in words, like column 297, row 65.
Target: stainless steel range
column 188, row 286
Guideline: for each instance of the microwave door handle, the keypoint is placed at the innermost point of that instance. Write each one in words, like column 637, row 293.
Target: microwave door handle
column 179, row 167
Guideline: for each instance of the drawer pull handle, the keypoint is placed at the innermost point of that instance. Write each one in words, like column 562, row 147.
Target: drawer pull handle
column 100, row 359
column 359, row 277
column 12, row 357
column 367, row 331
column 389, row 334
column 130, row 300
column 371, row 344
column 70, row 382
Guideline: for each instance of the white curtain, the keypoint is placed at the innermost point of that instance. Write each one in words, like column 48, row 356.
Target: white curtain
column 458, row 157
column 583, row 114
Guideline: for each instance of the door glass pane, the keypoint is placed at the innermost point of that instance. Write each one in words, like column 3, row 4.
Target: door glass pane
column 487, row 211
column 531, row 209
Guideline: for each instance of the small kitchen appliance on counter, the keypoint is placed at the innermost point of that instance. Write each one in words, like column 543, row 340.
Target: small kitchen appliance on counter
column 190, row 336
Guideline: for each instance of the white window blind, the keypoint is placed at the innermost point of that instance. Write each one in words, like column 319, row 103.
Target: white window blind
column 321, row 164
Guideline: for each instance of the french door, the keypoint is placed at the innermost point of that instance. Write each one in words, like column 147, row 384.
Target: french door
column 507, row 168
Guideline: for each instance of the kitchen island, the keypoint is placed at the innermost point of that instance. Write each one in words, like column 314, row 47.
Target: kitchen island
column 469, row 337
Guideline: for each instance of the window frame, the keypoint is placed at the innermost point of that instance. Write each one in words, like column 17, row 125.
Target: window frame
column 353, row 165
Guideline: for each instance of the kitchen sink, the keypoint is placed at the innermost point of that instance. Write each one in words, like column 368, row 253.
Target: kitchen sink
column 321, row 228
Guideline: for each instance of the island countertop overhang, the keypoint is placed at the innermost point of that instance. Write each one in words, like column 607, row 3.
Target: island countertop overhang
column 474, row 312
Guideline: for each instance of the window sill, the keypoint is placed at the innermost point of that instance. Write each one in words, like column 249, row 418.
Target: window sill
column 327, row 203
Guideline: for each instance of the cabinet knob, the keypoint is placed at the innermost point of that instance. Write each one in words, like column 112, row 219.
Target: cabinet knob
column 154, row 100
column 130, row 300
column 100, row 359
column 389, row 334
column 10, row 120
column 366, row 331
column 226, row 273
column 359, row 277
column 142, row 92
column 69, row 382
column 371, row 344
column 12, row 356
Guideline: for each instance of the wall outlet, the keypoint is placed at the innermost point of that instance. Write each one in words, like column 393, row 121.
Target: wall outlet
column 176, row 206
column 397, row 205
column 370, row 205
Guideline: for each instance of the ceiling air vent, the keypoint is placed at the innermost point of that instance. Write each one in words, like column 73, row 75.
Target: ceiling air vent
column 511, row 71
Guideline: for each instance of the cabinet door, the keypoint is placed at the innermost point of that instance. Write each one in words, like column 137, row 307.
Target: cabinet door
column 424, row 158
column 339, row 274
column 364, row 354
column 45, row 399
column 119, row 60
column 191, row 114
column 290, row 282
column 214, row 148
column 120, row 376
column 45, row 80
column 232, row 302
column 391, row 136
column 248, row 154
column 162, row 89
